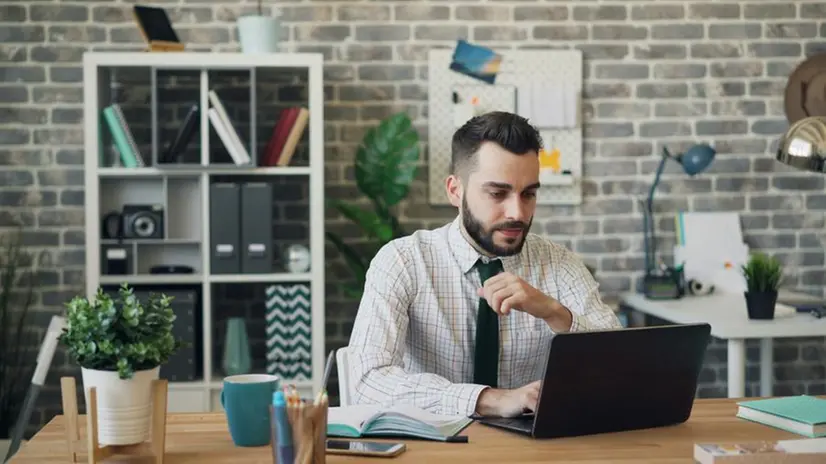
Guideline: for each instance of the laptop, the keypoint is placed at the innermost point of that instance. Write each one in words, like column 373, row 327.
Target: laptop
column 615, row 380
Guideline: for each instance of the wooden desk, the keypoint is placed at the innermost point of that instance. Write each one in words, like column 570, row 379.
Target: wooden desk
column 204, row 439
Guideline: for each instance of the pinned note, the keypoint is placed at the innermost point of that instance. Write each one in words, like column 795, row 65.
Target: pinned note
column 475, row 100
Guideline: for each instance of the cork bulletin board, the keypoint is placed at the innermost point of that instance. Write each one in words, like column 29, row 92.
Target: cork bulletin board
column 544, row 86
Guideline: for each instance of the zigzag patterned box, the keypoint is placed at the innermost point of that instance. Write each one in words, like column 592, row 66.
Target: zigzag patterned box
column 289, row 331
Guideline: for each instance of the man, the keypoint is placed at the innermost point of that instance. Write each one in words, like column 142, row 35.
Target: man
column 458, row 320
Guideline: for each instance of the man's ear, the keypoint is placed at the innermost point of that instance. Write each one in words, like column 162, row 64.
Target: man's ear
column 455, row 190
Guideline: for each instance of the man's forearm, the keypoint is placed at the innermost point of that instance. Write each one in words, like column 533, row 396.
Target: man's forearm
column 561, row 318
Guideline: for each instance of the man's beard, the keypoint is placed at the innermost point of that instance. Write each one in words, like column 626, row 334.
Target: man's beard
column 484, row 238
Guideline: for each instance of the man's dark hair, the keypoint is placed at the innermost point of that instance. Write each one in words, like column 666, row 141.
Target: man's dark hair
column 510, row 131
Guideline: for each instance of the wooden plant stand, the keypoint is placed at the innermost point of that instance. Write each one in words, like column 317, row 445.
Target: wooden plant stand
column 151, row 451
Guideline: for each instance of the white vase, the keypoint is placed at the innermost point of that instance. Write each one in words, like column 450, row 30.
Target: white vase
column 124, row 407
column 259, row 34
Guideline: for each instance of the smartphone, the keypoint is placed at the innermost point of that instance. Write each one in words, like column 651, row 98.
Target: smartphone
column 365, row 448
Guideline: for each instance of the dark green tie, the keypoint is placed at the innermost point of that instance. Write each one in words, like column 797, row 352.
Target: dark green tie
column 486, row 357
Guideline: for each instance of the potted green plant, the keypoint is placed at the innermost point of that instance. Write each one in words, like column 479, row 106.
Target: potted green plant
column 120, row 343
column 386, row 164
column 763, row 274
column 16, row 363
column 259, row 33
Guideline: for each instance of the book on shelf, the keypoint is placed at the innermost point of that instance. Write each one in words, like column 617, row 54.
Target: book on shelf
column 285, row 136
column 219, row 119
column 801, row 414
column 798, row 451
column 176, row 149
column 401, row 421
column 122, row 137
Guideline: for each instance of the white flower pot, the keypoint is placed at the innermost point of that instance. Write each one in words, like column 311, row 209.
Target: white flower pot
column 259, row 34
column 124, row 407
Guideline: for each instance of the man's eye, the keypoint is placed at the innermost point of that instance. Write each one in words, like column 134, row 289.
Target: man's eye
column 530, row 194
column 498, row 194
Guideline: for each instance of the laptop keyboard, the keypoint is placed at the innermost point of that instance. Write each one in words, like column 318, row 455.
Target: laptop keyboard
column 514, row 423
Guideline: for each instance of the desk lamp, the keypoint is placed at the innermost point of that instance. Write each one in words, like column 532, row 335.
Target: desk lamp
column 656, row 284
column 803, row 146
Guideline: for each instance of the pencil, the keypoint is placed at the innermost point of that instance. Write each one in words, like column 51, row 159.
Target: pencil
column 320, row 432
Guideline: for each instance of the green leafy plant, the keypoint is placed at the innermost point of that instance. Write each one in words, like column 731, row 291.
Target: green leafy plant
column 763, row 273
column 386, row 164
column 120, row 334
column 16, row 364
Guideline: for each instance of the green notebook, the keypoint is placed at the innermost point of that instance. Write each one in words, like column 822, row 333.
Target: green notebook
column 401, row 421
column 802, row 414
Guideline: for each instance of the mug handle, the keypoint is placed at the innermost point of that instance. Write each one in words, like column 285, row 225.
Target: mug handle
column 222, row 399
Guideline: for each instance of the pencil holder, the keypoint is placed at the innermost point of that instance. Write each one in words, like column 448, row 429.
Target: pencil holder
column 304, row 440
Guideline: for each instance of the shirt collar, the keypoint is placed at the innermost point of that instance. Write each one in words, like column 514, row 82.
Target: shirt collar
column 466, row 255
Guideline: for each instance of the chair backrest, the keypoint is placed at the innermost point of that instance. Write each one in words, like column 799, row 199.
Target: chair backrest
column 343, row 370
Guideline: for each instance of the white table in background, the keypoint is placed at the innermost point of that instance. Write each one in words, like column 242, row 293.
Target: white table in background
column 726, row 313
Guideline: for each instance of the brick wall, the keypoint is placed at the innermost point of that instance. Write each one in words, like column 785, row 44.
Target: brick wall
column 656, row 73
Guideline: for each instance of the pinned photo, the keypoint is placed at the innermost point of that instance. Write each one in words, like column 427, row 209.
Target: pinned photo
column 476, row 61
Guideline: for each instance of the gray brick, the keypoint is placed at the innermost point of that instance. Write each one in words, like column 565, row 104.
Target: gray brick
column 769, row 11
column 12, row 13
column 791, row 30
column 600, row 13
column 734, row 31
column 678, row 31
column 721, row 127
column 797, row 183
column 772, row 49
column 775, row 202
column 21, row 34
column 625, row 148
column 325, row 33
column 540, row 13
column 62, row 33
column 657, row 129
column 780, row 68
column 572, row 32
column 60, row 177
column 14, row 136
column 605, row 90
column 717, row 89
column 22, row 74
column 741, row 184
column 599, row 168
column 770, row 126
column 499, row 33
column 18, row 115
column 440, row 32
column 602, row 246
column 53, row 54
column 719, row 203
column 713, row 10
column 482, row 13
column 679, row 71
column 619, row 32
column 736, row 69
column 716, row 50
column 679, row 109
column 662, row 90
column 660, row 52
column 603, row 52
column 657, row 12
column 58, row 13
column 421, row 12
column 363, row 13
column 612, row 110
column 619, row 225
column 621, row 71
column 572, row 227
column 766, row 88
column 738, row 108
column 369, row 72
column 609, row 130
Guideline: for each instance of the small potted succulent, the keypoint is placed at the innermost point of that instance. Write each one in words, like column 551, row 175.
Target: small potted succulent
column 763, row 275
column 120, row 343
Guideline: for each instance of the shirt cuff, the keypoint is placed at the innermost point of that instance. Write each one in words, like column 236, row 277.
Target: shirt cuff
column 578, row 322
column 461, row 398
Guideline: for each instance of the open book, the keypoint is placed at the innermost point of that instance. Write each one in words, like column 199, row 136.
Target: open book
column 400, row 421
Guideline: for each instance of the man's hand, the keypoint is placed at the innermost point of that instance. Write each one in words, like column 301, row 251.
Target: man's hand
column 505, row 292
column 508, row 403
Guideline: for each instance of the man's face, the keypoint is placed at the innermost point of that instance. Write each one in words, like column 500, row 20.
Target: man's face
column 499, row 199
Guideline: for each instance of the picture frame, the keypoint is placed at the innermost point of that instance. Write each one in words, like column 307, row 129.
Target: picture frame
column 156, row 29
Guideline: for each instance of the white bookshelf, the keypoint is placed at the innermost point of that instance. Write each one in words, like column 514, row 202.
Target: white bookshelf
column 185, row 193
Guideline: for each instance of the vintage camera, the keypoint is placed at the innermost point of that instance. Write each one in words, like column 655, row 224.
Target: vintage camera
column 142, row 221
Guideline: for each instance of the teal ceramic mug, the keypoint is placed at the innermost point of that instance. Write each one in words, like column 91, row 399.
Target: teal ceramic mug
column 246, row 400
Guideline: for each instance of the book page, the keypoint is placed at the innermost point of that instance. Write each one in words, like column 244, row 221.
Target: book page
column 806, row 445
column 353, row 416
